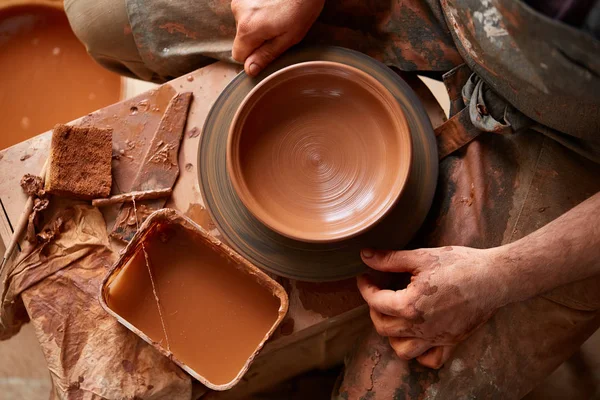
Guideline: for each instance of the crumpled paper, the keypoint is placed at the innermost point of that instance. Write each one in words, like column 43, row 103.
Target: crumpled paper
column 89, row 354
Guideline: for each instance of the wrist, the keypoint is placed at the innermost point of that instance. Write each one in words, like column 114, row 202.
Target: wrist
column 513, row 274
column 502, row 276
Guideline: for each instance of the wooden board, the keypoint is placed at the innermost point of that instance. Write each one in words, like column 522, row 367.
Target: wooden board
column 324, row 320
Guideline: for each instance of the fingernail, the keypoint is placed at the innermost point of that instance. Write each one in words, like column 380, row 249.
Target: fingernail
column 253, row 69
column 368, row 253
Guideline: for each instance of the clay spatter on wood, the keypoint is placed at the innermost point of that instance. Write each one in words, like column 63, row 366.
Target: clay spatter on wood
column 159, row 168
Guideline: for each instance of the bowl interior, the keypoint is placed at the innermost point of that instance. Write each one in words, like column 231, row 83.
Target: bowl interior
column 319, row 151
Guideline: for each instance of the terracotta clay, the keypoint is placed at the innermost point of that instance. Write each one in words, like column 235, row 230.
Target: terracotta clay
column 294, row 259
column 160, row 165
column 202, row 304
column 46, row 75
column 319, row 151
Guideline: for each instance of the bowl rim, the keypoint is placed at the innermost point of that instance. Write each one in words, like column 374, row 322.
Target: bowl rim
column 394, row 109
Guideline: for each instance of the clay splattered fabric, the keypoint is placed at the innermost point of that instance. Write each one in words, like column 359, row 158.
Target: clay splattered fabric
column 171, row 38
column 90, row 355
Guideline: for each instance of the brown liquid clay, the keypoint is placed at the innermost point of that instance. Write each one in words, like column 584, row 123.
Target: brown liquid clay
column 319, row 151
column 46, row 75
column 214, row 315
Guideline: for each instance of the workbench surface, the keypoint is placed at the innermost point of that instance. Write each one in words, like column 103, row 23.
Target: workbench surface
column 324, row 320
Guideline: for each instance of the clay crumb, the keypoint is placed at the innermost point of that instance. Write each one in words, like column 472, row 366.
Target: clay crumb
column 189, row 167
column 32, row 185
column 163, row 154
column 194, row 132
column 25, row 157
column 469, row 200
column 129, row 144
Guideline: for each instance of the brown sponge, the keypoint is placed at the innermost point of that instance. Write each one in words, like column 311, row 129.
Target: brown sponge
column 80, row 162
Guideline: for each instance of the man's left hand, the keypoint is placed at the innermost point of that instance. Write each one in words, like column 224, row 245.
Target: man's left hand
column 453, row 290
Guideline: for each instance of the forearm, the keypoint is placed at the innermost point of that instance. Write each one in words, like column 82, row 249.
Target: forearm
column 564, row 251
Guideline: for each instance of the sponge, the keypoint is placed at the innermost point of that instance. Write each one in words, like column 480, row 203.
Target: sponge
column 80, row 162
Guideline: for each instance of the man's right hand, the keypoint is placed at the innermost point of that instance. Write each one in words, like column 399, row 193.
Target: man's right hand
column 267, row 28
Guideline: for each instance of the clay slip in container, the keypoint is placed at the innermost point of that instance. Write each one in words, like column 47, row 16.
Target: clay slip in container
column 319, row 151
column 217, row 309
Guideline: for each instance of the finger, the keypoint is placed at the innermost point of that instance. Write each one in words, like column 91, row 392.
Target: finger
column 386, row 325
column 392, row 261
column 409, row 348
column 244, row 44
column 266, row 54
column 384, row 301
column 436, row 357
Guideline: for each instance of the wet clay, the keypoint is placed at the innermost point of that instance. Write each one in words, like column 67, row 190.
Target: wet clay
column 319, row 151
column 160, row 165
column 214, row 315
column 46, row 75
column 200, row 215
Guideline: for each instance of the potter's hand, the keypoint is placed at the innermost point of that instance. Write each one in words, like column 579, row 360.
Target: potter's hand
column 267, row 28
column 451, row 293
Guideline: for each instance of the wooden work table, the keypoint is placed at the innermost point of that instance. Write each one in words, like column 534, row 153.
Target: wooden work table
column 325, row 319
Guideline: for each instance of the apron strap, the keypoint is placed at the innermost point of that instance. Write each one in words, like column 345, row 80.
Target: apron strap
column 457, row 131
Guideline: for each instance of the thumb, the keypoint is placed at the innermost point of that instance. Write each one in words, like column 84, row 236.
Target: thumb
column 266, row 54
column 392, row 261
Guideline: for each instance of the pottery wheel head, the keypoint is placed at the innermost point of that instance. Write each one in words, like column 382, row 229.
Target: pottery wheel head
column 319, row 151
column 303, row 260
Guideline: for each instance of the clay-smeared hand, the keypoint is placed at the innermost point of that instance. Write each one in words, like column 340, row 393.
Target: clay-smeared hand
column 267, row 28
column 451, row 293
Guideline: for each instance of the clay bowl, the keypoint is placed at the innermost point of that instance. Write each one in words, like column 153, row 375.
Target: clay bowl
column 319, row 151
